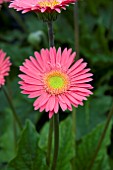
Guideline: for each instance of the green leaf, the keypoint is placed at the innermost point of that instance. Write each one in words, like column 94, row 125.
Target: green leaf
column 7, row 144
column 66, row 143
column 92, row 113
column 86, row 148
column 29, row 155
column 66, row 148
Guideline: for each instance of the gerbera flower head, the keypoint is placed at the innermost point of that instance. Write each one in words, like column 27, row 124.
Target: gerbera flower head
column 55, row 80
column 4, row 67
column 41, row 6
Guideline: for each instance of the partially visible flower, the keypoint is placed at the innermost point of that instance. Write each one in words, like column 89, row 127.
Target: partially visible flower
column 40, row 5
column 55, row 80
column 4, row 67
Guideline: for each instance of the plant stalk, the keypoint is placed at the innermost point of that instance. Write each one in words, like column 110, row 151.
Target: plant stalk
column 101, row 138
column 50, row 33
column 76, row 29
column 12, row 108
column 51, row 43
column 49, row 142
column 56, row 141
column 74, row 133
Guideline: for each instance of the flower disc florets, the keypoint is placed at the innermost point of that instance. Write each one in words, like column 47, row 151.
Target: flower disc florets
column 48, row 3
column 55, row 80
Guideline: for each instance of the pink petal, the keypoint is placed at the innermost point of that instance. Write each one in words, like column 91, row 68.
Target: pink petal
column 70, row 61
column 39, row 60
column 52, row 57
column 76, row 96
column 40, row 99
column 58, row 56
column 88, row 86
column 78, row 69
column 58, row 10
column 66, row 56
column 63, row 105
column 82, row 77
column 30, row 72
column 56, row 107
column 72, row 99
column 66, row 100
column 51, row 113
column 80, row 89
column 35, row 94
column 30, row 80
column 83, row 81
column 50, row 104
column 34, row 61
column 75, row 66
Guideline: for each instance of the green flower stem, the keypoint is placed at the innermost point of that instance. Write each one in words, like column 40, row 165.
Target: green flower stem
column 56, row 141
column 12, row 107
column 49, row 142
column 51, row 43
column 101, row 139
column 76, row 30
column 74, row 133
column 50, row 33
column 15, row 134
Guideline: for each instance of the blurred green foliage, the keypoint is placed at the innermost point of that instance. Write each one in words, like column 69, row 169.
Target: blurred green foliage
column 19, row 38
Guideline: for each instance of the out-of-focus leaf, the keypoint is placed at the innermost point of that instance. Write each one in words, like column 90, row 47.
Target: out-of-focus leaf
column 33, row 23
column 92, row 113
column 86, row 148
column 66, row 148
column 7, row 138
column 43, row 141
column 66, row 143
column 17, row 53
column 66, row 33
column 29, row 155
column 3, row 102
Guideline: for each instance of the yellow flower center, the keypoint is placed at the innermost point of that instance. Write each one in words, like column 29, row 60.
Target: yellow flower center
column 48, row 3
column 56, row 82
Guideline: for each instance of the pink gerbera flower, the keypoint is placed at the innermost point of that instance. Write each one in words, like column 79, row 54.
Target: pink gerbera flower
column 4, row 67
column 40, row 5
column 55, row 80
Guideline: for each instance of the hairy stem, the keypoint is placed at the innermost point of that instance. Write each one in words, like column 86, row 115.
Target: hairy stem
column 50, row 33
column 76, row 30
column 74, row 133
column 56, row 141
column 51, row 43
column 49, row 142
